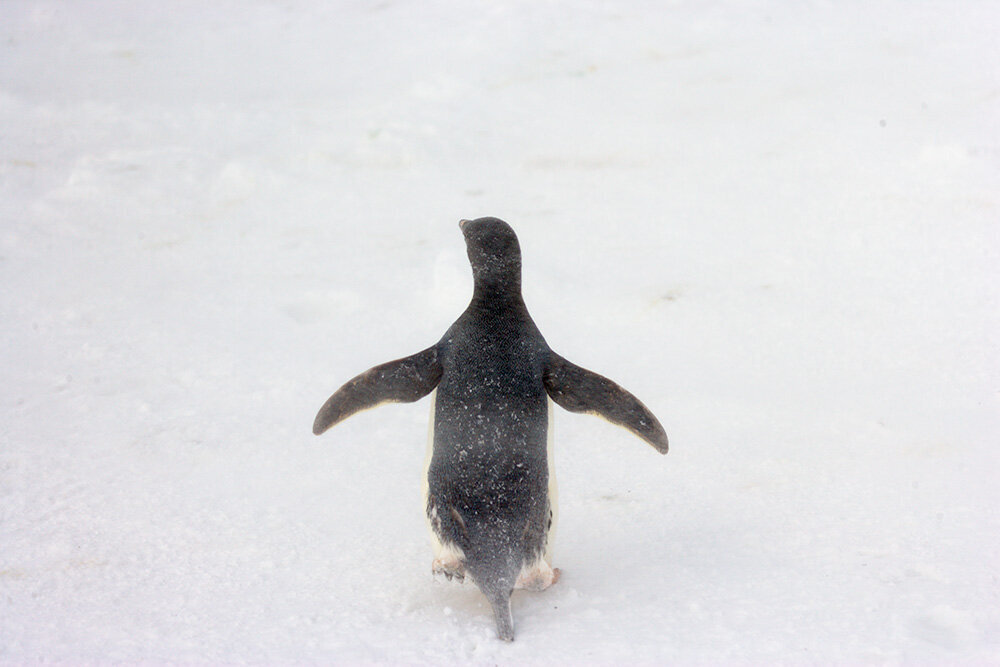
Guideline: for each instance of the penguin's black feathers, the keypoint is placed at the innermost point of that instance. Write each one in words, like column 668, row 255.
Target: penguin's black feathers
column 579, row 390
column 401, row 381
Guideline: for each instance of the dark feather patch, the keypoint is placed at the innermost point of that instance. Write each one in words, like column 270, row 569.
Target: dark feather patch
column 401, row 381
column 578, row 390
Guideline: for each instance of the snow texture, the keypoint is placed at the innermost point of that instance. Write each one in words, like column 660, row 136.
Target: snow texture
column 776, row 223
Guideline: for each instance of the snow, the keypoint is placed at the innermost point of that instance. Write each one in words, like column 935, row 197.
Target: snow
column 777, row 224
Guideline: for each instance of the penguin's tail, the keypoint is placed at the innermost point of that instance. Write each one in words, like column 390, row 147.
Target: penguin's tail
column 494, row 569
column 493, row 559
column 499, row 599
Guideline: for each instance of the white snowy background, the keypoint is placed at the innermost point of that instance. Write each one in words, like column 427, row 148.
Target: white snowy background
column 776, row 223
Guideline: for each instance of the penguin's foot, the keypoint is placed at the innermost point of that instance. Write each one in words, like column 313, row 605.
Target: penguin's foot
column 451, row 568
column 538, row 576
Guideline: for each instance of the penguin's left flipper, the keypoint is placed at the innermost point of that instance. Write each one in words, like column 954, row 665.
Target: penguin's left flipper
column 579, row 390
column 401, row 381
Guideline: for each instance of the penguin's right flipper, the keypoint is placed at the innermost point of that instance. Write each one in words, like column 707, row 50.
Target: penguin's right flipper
column 579, row 390
column 401, row 381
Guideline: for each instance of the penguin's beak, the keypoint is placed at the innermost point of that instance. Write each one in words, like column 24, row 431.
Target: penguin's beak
column 461, row 224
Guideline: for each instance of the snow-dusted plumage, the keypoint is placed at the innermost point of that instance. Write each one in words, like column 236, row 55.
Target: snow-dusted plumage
column 488, row 478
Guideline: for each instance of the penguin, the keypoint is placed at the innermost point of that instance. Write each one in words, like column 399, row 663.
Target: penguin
column 489, row 487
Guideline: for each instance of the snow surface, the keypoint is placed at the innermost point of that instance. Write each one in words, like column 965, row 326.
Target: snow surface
column 777, row 224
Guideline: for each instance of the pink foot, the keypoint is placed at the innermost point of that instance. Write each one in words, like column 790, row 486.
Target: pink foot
column 538, row 577
column 451, row 569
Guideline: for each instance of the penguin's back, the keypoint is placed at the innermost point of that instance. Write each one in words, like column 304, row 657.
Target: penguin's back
column 489, row 462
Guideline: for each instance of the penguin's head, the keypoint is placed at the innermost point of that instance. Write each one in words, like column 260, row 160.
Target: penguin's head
column 494, row 253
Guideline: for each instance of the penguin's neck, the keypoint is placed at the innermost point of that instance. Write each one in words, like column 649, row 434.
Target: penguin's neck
column 497, row 295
